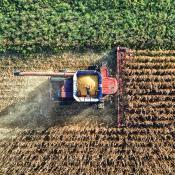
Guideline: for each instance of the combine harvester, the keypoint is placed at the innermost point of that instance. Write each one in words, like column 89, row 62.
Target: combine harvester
column 89, row 86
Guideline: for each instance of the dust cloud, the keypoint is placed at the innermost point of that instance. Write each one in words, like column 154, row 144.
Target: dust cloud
column 35, row 110
column 30, row 109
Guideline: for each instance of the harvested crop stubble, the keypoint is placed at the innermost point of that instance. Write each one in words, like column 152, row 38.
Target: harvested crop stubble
column 97, row 150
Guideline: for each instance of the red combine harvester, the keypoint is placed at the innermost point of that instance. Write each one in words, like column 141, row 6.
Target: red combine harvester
column 88, row 86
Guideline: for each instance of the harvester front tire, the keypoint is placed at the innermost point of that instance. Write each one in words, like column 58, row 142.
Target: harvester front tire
column 100, row 106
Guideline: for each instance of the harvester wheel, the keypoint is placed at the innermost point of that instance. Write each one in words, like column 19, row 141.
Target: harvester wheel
column 111, row 100
column 100, row 105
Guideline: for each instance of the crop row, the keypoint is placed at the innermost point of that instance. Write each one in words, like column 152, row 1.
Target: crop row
column 79, row 158
column 157, row 104
column 153, row 91
column 112, row 136
column 152, row 52
column 156, row 78
column 151, row 84
column 159, row 65
column 151, row 116
column 150, row 59
column 139, row 72
column 151, row 98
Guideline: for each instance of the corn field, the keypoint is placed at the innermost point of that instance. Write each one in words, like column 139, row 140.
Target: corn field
column 145, row 145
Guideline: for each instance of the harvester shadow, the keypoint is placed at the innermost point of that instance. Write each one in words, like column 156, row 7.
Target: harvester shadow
column 37, row 110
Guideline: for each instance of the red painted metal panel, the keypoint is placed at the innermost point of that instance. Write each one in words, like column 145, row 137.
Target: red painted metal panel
column 109, row 85
column 65, row 94
column 62, row 90
column 104, row 71
column 66, row 89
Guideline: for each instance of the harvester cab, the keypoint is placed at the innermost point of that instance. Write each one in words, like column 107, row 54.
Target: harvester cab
column 93, row 85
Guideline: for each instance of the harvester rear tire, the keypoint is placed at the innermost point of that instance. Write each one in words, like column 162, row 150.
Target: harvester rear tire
column 100, row 106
